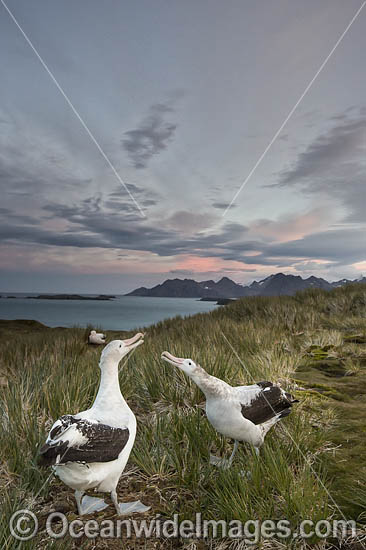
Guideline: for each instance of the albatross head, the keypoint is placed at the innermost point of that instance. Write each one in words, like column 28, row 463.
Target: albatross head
column 186, row 365
column 117, row 349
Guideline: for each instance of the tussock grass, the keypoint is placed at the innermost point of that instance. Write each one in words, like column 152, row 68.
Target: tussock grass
column 291, row 340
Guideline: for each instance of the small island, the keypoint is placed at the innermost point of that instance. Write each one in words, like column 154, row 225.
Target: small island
column 224, row 301
column 219, row 301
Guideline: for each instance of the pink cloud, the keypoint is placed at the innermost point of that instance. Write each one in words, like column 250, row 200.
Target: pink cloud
column 360, row 266
column 292, row 227
column 204, row 265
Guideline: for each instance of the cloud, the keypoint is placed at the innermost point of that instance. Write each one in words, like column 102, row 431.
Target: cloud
column 118, row 200
column 191, row 222
column 93, row 230
column 223, row 205
column 151, row 137
column 333, row 166
column 345, row 245
column 96, row 222
column 54, row 214
column 343, row 142
column 113, row 206
column 182, row 272
column 292, row 227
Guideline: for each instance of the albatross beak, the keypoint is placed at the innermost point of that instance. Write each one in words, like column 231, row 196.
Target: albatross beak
column 135, row 341
column 169, row 358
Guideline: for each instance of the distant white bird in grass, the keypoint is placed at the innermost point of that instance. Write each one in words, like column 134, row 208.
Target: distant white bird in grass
column 89, row 450
column 243, row 413
column 96, row 338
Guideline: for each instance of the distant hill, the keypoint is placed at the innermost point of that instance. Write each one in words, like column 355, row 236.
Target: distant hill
column 279, row 284
column 188, row 288
column 274, row 285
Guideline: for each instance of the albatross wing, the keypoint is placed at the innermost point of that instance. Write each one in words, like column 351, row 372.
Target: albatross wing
column 73, row 439
column 264, row 401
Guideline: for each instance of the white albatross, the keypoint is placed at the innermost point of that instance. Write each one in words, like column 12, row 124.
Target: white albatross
column 96, row 338
column 243, row 413
column 89, row 450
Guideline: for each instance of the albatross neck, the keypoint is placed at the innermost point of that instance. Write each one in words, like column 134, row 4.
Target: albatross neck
column 109, row 393
column 210, row 385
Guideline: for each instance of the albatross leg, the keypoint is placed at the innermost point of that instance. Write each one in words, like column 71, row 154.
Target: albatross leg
column 248, row 473
column 123, row 508
column 224, row 463
column 236, row 443
column 115, row 501
column 78, row 497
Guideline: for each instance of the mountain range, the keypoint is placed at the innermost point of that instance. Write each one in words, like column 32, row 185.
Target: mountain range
column 274, row 285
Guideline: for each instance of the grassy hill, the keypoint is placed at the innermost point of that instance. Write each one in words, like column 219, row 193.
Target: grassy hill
column 312, row 464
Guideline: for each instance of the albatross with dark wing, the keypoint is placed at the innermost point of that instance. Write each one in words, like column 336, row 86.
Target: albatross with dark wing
column 243, row 413
column 89, row 450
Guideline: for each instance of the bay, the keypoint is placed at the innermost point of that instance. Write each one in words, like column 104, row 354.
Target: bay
column 122, row 313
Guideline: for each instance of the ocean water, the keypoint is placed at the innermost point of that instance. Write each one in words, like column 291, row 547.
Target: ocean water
column 122, row 313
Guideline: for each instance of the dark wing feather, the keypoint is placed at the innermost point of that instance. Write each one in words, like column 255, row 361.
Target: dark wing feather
column 103, row 443
column 270, row 402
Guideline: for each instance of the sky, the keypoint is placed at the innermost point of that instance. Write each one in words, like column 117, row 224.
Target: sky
column 180, row 100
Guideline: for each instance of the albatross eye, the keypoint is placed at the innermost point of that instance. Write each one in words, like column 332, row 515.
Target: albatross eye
column 120, row 345
column 189, row 363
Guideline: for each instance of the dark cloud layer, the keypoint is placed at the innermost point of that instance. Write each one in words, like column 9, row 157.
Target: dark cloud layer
column 151, row 136
column 105, row 226
column 96, row 223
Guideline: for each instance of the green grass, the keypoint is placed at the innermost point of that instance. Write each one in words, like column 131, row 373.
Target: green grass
column 313, row 343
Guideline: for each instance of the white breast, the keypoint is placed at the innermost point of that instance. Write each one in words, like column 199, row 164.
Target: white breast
column 225, row 416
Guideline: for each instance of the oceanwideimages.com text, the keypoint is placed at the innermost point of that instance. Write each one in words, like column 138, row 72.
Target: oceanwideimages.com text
column 24, row 526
